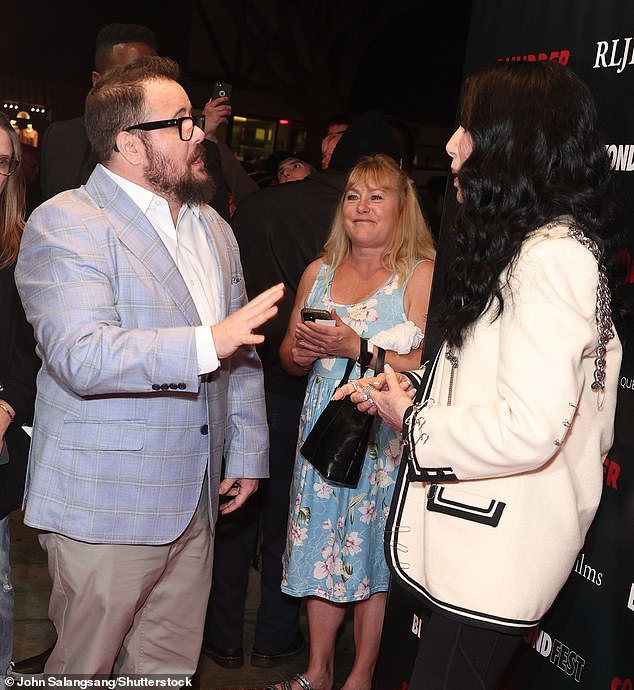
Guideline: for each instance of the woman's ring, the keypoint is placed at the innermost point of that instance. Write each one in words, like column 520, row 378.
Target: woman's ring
column 368, row 390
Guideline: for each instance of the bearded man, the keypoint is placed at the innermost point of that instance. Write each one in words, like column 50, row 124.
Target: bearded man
column 135, row 292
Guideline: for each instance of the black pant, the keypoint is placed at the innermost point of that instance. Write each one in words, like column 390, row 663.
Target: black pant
column 278, row 614
column 457, row 656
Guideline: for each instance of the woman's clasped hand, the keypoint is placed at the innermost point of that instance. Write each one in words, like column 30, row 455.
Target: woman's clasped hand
column 316, row 340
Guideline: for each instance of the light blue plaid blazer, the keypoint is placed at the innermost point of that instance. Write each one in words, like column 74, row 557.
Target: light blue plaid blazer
column 124, row 425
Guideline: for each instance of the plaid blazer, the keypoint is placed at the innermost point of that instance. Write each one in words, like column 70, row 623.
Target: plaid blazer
column 124, row 426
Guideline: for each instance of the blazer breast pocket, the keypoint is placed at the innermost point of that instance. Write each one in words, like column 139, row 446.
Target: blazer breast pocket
column 463, row 505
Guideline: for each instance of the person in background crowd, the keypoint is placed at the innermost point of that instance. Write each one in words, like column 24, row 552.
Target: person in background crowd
column 294, row 168
column 375, row 278
column 149, row 380
column 506, row 455
column 337, row 126
column 288, row 166
column 66, row 157
column 432, row 195
column 231, row 180
column 280, row 230
column 30, row 165
column 18, row 368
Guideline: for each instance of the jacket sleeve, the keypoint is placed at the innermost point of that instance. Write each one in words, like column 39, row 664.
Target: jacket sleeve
column 97, row 340
column 246, row 430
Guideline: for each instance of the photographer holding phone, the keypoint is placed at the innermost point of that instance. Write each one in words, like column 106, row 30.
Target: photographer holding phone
column 232, row 181
column 374, row 281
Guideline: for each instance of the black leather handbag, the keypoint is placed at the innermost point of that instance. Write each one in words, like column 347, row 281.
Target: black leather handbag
column 337, row 443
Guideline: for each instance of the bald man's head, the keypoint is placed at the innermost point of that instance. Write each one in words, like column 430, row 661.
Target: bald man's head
column 121, row 44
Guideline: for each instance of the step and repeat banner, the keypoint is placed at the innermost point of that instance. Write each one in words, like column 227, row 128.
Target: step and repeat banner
column 587, row 639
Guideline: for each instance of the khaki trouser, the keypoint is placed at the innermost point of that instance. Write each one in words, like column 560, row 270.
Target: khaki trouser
column 130, row 609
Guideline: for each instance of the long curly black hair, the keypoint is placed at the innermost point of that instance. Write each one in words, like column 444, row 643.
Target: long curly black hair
column 537, row 154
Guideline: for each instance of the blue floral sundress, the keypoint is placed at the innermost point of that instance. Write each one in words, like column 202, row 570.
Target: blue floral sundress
column 334, row 544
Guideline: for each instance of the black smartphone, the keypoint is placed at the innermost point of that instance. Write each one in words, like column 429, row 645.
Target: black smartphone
column 315, row 314
column 222, row 90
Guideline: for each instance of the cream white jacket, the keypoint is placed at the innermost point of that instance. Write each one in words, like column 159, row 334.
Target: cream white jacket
column 524, row 435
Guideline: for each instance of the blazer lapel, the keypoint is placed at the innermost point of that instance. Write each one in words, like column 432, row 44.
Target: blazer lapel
column 220, row 253
column 136, row 232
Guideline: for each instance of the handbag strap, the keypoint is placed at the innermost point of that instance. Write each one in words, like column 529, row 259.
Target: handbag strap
column 349, row 368
column 363, row 357
column 380, row 360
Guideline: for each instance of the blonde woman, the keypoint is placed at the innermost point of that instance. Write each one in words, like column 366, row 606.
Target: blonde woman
column 374, row 278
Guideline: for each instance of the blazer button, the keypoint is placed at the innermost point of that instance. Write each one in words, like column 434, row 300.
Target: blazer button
column 173, row 386
column 182, row 386
column 204, row 429
column 164, row 386
column 156, row 387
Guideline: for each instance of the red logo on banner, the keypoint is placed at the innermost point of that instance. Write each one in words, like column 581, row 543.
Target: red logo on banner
column 611, row 472
column 618, row 684
column 560, row 55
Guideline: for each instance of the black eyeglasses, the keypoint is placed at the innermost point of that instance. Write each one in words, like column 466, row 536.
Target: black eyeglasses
column 8, row 165
column 185, row 125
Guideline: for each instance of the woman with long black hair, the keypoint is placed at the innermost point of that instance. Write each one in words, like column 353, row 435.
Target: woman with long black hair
column 505, row 448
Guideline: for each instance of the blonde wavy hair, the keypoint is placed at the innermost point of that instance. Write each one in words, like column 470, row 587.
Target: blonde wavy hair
column 11, row 202
column 412, row 239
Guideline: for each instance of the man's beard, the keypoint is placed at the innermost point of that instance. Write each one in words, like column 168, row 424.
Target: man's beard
column 186, row 187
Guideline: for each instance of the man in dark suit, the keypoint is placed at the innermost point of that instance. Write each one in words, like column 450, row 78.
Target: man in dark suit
column 67, row 159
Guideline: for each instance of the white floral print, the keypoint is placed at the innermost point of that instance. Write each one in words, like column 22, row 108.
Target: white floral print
column 368, row 511
column 334, row 548
column 360, row 315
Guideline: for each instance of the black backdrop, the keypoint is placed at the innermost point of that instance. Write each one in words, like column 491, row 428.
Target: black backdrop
column 587, row 638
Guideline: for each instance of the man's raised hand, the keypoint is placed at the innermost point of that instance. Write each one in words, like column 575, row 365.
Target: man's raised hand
column 237, row 329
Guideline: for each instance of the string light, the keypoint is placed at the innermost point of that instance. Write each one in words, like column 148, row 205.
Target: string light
column 8, row 105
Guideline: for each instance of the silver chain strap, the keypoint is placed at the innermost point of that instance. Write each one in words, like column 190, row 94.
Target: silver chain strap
column 605, row 326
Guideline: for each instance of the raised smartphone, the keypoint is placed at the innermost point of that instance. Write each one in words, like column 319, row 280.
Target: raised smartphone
column 222, row 90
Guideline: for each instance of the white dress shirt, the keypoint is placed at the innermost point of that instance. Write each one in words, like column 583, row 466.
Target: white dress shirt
column 189, row 246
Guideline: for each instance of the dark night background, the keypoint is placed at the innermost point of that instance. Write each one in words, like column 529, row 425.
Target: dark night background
column 415, row 67
column 412, row 69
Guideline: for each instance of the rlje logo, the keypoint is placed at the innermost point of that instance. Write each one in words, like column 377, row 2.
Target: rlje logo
column 615, row 55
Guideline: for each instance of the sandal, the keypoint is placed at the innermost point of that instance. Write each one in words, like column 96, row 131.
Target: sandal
column 303, row 682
